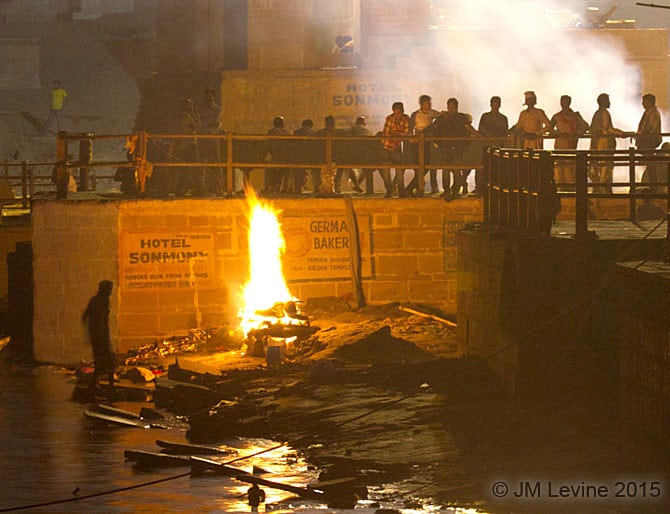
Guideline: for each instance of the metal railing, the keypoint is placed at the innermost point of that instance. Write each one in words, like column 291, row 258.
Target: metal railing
column 521, row 193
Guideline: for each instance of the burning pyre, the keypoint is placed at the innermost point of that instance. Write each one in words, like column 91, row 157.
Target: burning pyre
column 270, row 315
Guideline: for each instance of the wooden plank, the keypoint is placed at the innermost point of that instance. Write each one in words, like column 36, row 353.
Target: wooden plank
column 113, row 411
column 192, row 449
column 426, row 315
column 218, row 467
column 156, row 460
column 115, row 420
column 326, row 484
column 303, row 492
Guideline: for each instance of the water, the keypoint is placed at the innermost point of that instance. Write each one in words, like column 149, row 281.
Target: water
column 50, row 449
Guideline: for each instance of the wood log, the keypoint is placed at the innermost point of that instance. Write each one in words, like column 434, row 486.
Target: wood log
column 427, row 315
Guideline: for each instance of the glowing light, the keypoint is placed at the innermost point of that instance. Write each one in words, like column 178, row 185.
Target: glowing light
column 266, row 286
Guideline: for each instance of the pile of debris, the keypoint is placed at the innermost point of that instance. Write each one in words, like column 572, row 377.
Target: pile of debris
column 197, row 339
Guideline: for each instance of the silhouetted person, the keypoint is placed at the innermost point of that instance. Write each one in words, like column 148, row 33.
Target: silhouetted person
column 452, row 124
column 327, row 182
column 256, row 496
column 494, row 123
column 97, row 316
column 569, row 125
column 603, row 138
column 532, row 123
column 420, row 120
column 343, row 44
column 649, row 136
column 648, row 211
column 274, row 177
column 395, row 124
column 491, row 124
column 305, row 150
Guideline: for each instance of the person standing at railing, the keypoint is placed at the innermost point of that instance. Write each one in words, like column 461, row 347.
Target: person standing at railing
column 649, row 136
column 58, row 96
column 215, row 178
column 360, row 153
column 276, row 153
column 532, row 124
column 395, row 124
column 603, row 138
column 492, row 124
column 419, row 121
column 306, row 153
column 328, row 175
column 451, row 124
column 569, row 125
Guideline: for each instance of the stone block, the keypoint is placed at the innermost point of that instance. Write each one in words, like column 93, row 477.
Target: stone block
column 386, row 291
column 384, row 220
column 420, row 240
column 386, row 240
column 432, row 263
column 399, row 265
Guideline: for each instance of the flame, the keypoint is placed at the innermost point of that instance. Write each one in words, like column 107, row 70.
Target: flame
column 266, row 285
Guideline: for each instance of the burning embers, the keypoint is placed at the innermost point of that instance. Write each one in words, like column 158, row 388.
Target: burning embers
column 270, row 315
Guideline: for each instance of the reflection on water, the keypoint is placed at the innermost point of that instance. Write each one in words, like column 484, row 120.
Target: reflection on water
column 50, row 449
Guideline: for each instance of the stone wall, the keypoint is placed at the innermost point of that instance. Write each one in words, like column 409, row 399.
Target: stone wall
column 643, row 311
column 74, row 248
column 408, row 249
column 540, row 310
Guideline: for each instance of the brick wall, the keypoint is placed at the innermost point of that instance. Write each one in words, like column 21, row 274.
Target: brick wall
column 410, row 246
column 74, row 248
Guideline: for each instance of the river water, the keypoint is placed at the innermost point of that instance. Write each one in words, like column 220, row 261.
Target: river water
column 50, row 450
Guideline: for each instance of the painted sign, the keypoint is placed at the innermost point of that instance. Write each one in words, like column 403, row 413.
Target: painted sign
column 165, row 260
column 319, row 248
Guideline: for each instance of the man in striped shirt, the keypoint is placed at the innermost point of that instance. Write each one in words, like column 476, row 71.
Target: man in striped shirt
column 396, row 124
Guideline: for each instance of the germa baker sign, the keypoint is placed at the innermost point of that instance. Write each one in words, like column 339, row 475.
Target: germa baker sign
column 166, row 260
column 318, row 248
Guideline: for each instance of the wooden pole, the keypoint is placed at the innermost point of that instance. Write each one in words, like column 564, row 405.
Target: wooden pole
column 355, row 253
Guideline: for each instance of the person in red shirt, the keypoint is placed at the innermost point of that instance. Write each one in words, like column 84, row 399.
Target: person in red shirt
column 396, row 124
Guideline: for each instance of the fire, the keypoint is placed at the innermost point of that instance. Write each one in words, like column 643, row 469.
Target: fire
column 266, row 286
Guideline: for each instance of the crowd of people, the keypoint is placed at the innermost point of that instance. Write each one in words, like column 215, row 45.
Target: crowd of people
column 450, row 133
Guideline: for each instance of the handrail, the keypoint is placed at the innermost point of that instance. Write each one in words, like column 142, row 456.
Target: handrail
column 521, row 191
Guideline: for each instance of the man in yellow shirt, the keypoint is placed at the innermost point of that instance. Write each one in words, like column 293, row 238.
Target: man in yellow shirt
column 58, row 96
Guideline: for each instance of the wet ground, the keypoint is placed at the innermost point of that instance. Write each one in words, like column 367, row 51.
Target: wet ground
column 50, row 451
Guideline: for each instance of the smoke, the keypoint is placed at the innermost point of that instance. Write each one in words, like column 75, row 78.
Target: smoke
column 519, row 45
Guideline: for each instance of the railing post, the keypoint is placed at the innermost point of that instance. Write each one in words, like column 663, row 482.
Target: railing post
column 85, row 158
column 581, row 199
column 62, row 171
column 31, row 183
column 632, row 190
column 421, row 174
column 141, row 165
column 24, row 184
column 94, row 183
column 230, row 177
